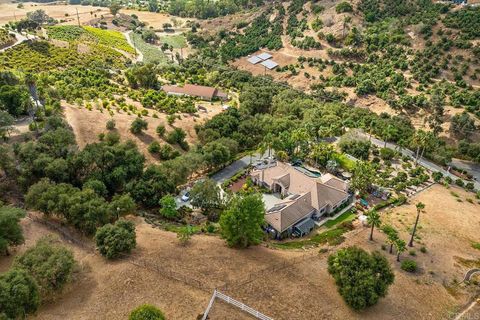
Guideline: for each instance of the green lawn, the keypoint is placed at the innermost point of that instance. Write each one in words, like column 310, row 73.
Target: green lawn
column 344, row 162
column 346, row 216
column 332, row 237
column 176, row 41
column 150, row 52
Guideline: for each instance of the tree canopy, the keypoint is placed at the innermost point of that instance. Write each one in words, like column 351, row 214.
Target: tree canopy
column 11, row 233
column 241, row 223
column 116, row 240
column 362, row 278
column 49, row 263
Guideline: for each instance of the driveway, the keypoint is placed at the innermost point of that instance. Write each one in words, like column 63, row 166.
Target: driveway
column 471, row 167
column 422, row 161
column 230, row 170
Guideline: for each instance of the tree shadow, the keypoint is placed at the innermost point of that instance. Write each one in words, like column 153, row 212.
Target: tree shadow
column 145, row 138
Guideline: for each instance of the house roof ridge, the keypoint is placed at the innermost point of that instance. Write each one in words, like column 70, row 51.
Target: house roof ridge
column 331, row 187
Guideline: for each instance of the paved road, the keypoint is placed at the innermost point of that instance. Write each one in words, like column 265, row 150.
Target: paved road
column 422, row 161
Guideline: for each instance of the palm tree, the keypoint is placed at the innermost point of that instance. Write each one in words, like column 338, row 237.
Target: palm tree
column 401, row 247
column 268, row 143
column 420, row 206
column 419, row 140
column 392, row 235
column 388, row 134
column 373, row 218
column 281, row 155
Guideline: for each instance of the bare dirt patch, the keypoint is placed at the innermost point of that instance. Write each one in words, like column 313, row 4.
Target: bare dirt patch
column 156, row 20
column 87, row 125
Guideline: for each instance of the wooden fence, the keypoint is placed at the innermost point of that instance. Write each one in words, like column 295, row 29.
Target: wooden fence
column 238, row 304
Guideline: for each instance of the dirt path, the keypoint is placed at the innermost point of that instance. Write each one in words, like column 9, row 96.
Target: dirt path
column 139, row 57
column 467, row 310
column 20, row 38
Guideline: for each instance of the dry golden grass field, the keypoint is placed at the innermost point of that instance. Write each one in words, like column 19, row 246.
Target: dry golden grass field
column 301, row 290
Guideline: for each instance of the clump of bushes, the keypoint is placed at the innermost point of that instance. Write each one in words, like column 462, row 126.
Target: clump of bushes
column 138, row 125
column 362, row 278
column 146, row 312
column 154, row 147
column 110, row 124
column 49, row 263
column 35, row 276
column 343, row 7
column 114, row 240
column 19, row 294
column 409, row 265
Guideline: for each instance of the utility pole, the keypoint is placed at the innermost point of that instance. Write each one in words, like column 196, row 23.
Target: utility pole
column 78, row 18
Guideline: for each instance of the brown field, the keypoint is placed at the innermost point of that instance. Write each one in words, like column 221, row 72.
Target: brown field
column 9, row 11
column 87, row 125
column 156, row 20
column 299, row 290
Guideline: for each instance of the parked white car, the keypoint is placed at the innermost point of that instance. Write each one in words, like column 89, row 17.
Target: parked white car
column 186, row 196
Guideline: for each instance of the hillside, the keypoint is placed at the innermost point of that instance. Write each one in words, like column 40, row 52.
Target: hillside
column 311, row 159
column 417, row 59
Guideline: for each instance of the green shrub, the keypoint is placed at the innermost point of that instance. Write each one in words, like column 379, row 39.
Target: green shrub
column 423, row 250
column 460, row 183
column 469, row 186
column 115, row 240
column 110, row 124
column 387, row 154
column 19, row 294
column 412, row 253
column 160, row 130
column 11, row 231
column 361, row 278
column 409, row 265
column 154, row 147
column 49, row 263
column 343, row 7
column 168, row 207
column 138, row 125
column 437, row 176
column 146, row 312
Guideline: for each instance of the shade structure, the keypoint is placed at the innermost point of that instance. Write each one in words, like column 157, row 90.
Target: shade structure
column 269, row 64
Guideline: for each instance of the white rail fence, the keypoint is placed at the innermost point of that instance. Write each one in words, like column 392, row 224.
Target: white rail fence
column 238, row 304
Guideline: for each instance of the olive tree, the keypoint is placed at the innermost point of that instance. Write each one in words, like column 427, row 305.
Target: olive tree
column 114, row 240
column 146, row 312
column 362, row 278
column 11, row 233
column 19, row 294
column 49, row 263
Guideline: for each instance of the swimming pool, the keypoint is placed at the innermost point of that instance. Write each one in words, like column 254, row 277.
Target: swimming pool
column 309, row 173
